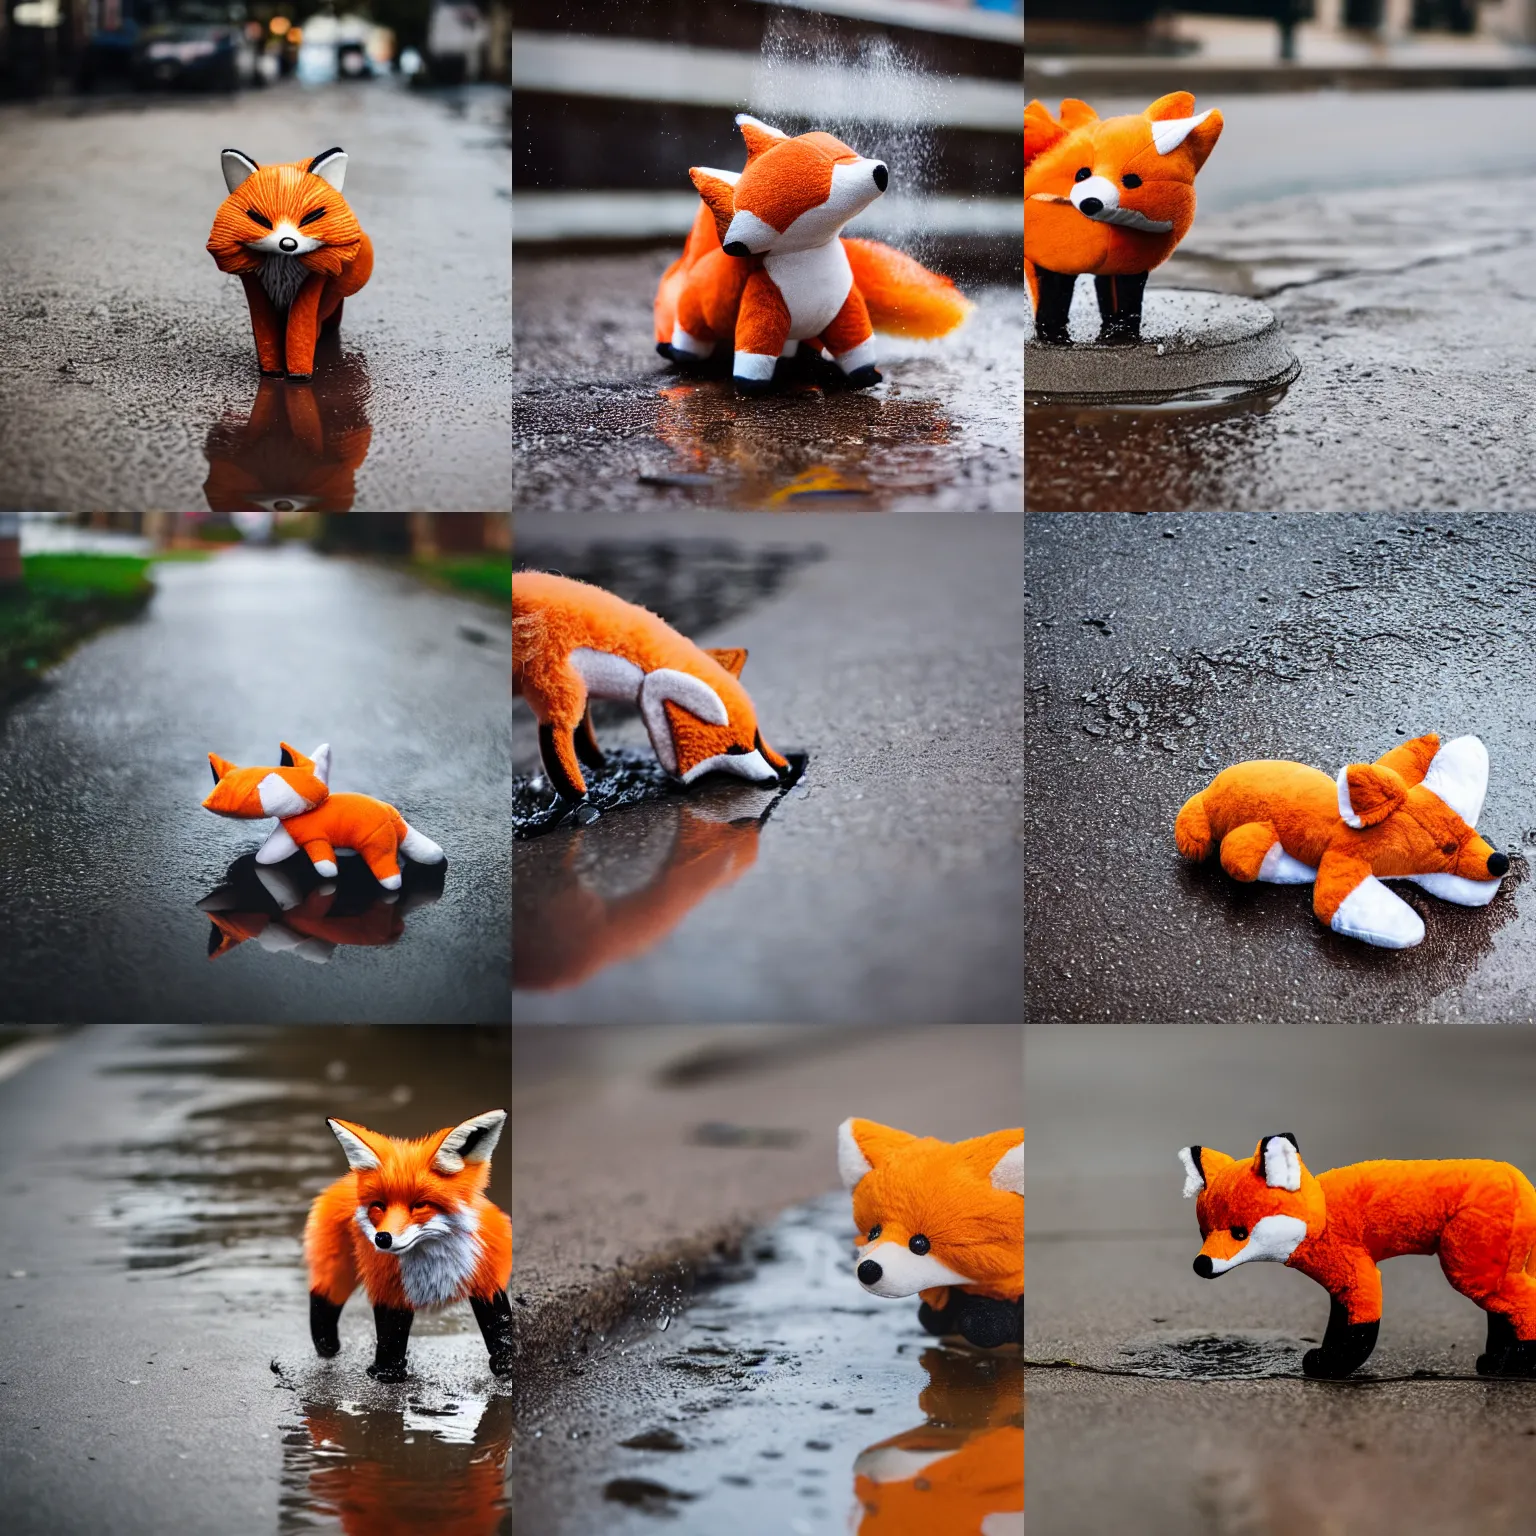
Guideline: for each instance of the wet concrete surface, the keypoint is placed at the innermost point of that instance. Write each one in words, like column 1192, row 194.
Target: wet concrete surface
column 784, row 1399
column 130, row 378
column 602, row 423
column 1397, row 1447
column 1164, row 649
column 125, row 900
column 1402, row 290
column 159, row 1374
column 886, row 884
column 642, row 1153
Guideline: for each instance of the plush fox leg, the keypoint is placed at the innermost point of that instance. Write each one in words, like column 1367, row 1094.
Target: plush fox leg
column 494, row 1314
column 322, row 856
column 1352, row 901
column 333, row 1278
column 266, row 325
column 851, row 341
column 1346, row 1345
column 1253, row 852
column 585, row 740
column 692, row 339
column 1192, row 831
column 392, row 1325
column 557, row 750
column 1120, row 306
column 1053, row 304
column 303, row 328
column 379, row 851
column 330, row 307
column 762, row 329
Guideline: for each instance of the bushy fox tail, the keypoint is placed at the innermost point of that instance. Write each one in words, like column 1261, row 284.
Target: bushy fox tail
column 702, row 238
column 904, row 297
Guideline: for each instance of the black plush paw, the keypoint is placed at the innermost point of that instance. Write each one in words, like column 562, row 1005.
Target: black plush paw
column 1321, row 1366
column 1488, row 1365
column 980, row 1320
column 576, row 813
column 864, row 378
column 1053, row 335
column 327, row 1349
column 665, row 349
column 1519, row 1360
column 752, row 386
column 274, row 373
column 300, row 378
column 501, row 1364
column 390, row 1372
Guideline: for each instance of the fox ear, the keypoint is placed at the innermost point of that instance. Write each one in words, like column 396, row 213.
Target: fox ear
column 1041, row 130
column 330, row 165
column 291, row 757
column 321, row 758
column 1194, row 1174
column 360, row 1156
column 1368, row 794
column 1458, row 776
column 236, row 167
column 759, row 135
column 732, row 659
column 718, row 189
column 667, row 685
column 1278, row 1161
column 1076, row 114
column 1411, row 759
column 1175, row 122
column 1175, row 104
column 220, row 766
column 863, row 1145
column 471, row 1142
column 1008, row 1171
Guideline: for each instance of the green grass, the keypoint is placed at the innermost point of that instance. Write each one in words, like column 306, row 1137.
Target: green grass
column 65, row 597
column 487, row 576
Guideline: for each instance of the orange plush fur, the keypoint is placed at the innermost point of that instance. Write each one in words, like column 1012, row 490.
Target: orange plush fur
column 1477, row 1216
column 924, row 1205
column 315, row 820
column 572, row 642
column 1108, row 196
column 410, row 1222
column 297, row 248
column 1409, row 815
column 764, row 266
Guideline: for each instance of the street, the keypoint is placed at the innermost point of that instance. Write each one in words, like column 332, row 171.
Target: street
column 130, row 378
column 108, row 851
column 1111, row 1243
column 886, row 884
column 159, row 1374
column 1163, row 649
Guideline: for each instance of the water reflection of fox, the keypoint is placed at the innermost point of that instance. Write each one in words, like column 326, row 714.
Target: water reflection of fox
column 962, row 1471
column 385, row 1473
column 580, row 915
column 286, row 912
column 301, row 445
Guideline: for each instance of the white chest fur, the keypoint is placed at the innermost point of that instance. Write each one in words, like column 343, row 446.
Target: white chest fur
column 282, row 277
column 814, row 284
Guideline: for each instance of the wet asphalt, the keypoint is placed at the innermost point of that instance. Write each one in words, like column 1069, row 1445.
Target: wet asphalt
column 130, row 380
column 1111, row 1243
column 1162, row 649
column 108, row 850
column 158, row 1371
column 1371, row 226
column 886, row 884
column 601, row 423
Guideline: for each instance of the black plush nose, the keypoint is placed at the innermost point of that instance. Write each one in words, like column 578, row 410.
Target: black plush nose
column 1091, row 206
column 882, row 177
column 1204, row 1268
column 736, row 248
column 288, row 243
column 383, row 1239
column 1498, row 863
column 869, row 1272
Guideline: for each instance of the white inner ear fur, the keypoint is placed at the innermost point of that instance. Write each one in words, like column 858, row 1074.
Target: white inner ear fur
column 359, row 1154
column 730, row 178
column 745, row 117
column 1346, row 809
column 1458, row 775
column 450, row 1158
column 1282, row 1164
column 332, row 169
column 1008, row 1171
column 687, row 692
column 322, row 760
column 852, row 1165
column 236, row 168
column 1172, row 131
column 1194, row 1180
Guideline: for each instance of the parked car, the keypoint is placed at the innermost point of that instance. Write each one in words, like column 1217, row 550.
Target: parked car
column 185, row 43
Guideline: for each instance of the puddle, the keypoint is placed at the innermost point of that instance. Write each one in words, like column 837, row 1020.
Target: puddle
column 300, row 446
column 289, row 910
column 585, row 898
column 783, row 1400
column 1214, row 1356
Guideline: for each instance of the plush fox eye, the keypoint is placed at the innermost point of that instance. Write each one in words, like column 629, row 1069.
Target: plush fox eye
column 874, row 1232
column 1130, row 179
column 378, row 1205
column 260, row 218
column 919, row 1245
column 1448, row 847
column 1083, row 174
column 421, row 1205
column 1240, row 1233
column 311, row 216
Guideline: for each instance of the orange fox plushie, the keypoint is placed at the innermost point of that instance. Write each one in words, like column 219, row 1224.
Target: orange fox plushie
column 572, row 642
column 1478, row 1216
column 943, row 1220
column 288, row 234
column 1408, row 816
column 1110, row 196
column 313, row 819
column 410, row 1223
column 765, row 268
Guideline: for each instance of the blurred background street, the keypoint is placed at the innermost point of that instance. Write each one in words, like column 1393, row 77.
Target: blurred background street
column 129, row 379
